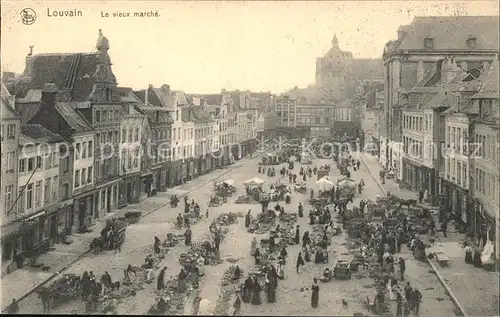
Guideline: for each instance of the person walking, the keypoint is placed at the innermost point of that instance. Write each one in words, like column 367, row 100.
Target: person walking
column 402, row 268
column 314, row 293
column 300, row 261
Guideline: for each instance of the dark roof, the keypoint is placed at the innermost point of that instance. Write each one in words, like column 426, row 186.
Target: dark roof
column 75, row 73
column 451, row 33
column 368, row 68
column 489, row 83
column 212, row 99
column 37, row 132
column 158, row 98
column 27, row 110
column 76, row 121
column 7, row 101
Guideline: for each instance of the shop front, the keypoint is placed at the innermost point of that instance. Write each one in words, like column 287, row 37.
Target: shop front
column 83, row 210
column 175, row 172
column 411, row 174
column 486, row 221
column 132, row 183
column 17, row 243
column 236, row 151
column 148, row 183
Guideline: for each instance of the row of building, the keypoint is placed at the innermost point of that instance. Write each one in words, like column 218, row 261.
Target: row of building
column 330, row 106
column 436, row 119
column 75, row 146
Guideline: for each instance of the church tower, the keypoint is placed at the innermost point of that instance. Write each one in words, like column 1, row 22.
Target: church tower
column 334, row 72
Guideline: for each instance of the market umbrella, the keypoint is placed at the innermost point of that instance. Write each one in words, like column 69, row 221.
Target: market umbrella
column 255, row 181
column 229, row 182
column 325, row 183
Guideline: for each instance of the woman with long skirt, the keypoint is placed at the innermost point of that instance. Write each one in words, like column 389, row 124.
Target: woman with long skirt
column 280, row 270
column 271, row 291
column 315, row 294
column 256, row 289
column 247, row 290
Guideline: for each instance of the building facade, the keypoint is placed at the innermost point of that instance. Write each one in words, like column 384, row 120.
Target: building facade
column 10, row 127
column 38, row 189
column 470, row 41
column 133, row 127
column 159, row 106
column 485, row 161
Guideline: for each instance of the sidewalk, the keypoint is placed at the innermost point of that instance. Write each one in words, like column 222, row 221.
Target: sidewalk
column 25, row 281
column 474, row 290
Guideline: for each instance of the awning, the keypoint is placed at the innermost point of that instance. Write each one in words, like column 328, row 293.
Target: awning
column 488, row 206
column 19, row 227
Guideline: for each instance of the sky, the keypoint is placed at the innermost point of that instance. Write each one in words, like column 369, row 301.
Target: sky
column 204, row 46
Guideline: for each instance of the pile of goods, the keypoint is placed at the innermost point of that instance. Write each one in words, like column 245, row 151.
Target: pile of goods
column 228, row 219
column 266, row 221
column 300, row 187
column 254, row 196
column 172, row 299
column 270, row 159
column 173, row 240
column 225, row 188
column 229, row 285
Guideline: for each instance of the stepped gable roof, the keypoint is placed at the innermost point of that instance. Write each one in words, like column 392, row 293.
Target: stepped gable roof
column 37, row 132
column 76, row 121
column 451, row 33
column 489, row 83
column 367, row 68
column 74, row 72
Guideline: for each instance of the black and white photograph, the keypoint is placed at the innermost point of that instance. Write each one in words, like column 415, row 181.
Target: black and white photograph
column 250, row 158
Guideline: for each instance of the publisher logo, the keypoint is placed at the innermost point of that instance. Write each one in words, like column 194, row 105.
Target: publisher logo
column 28, row 16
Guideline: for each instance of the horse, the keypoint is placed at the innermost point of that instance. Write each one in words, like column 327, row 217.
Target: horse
column 45, row 295
column 97, row 244
column 408, row 203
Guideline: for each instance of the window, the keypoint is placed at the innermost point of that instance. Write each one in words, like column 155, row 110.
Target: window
column 11, row 131
column 471, row 42
column 97, row 116
column 10, row 162
column 89, row 175
column 22, row 166
column 8, row 197
column 130, row 135
column 136, row 134
column 84, row 150
column 21, row 203
column 97, row 139
column 47, row 191
column 83, row 181
column 55, row 188
column 66, row 164
column 429, row 42
column 90, row 149
column 77, row 152
column 55, row 159
column 29, row 196
column 105, row 115
column 65, row 189
column 38, row 193
column 459, row 102
column 77, row 179
column 110, row 137
column 39, row 160
column 48, row 161
column 124, row 135
column 31, row 164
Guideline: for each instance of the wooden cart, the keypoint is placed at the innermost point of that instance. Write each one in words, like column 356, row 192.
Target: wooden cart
column 342, row 270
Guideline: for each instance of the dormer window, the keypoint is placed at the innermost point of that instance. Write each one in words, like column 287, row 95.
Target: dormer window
column 429, row 42
column 471, row 42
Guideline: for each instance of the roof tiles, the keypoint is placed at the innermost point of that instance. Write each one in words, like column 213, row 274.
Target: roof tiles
column 451, row 33
column 37, row 132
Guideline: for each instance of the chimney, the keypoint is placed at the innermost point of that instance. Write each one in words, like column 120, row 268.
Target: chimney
column 166, row 89
column 49, row 94
column 28, row 71
column 146, row 95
